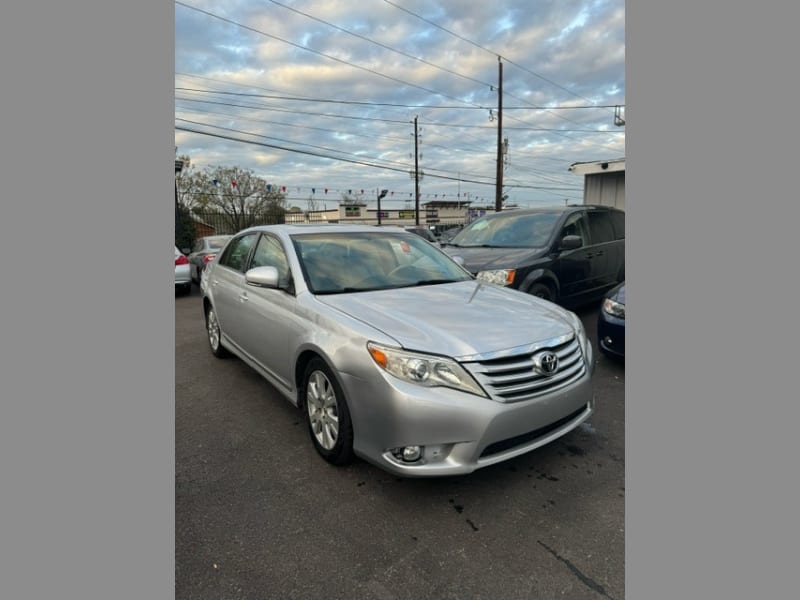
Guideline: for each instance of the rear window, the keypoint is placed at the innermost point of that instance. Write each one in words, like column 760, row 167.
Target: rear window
column 216, row 243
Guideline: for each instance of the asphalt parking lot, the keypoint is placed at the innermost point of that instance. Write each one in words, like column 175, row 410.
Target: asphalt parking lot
column 258, row 514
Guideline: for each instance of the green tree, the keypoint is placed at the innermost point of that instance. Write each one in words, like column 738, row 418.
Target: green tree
column 184, row 228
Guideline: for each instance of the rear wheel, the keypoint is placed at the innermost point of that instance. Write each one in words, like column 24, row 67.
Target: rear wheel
column 215, row 334
column 326, row 413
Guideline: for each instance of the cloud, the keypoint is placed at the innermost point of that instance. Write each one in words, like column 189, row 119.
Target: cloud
column 368, row 89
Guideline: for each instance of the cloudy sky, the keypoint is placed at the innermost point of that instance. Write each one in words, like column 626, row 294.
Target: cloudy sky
column 320, row 96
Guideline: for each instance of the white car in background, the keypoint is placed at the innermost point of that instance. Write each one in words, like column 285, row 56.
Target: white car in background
column 183, row 278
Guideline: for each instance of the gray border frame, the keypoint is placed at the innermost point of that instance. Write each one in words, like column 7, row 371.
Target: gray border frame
column 87, row 370
column 711, row 490
column 87, row 367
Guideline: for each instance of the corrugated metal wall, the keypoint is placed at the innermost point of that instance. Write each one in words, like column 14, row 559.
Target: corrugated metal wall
column 605, row 189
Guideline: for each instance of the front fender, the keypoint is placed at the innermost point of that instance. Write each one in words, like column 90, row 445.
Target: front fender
column 540, row 276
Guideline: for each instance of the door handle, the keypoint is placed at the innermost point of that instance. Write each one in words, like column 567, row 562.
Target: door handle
column 243, row 297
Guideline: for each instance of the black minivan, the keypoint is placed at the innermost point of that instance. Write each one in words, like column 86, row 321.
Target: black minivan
column 570, row 255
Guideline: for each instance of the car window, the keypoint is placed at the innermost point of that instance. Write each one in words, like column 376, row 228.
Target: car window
column 618, row 221
column 236, row 253
column 269, row 253
column 600, row 227
column 216, row 243
column 576, row 225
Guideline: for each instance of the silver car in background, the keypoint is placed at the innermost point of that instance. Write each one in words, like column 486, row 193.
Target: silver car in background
column 395, row 353
column 204, row 251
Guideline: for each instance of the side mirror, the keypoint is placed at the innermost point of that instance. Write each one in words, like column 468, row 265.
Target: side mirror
column 266, row 277
column 570, row 242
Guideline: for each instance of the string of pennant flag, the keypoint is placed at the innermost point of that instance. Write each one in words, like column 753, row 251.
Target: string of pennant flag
column 352, row 191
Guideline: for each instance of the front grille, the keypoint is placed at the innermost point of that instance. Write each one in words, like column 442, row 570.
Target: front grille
column 513, row 378
column 525, row 438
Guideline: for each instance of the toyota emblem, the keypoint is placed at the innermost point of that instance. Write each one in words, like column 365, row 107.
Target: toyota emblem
column 546, row 363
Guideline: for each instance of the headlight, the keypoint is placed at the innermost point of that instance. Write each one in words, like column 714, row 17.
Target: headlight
column 500, row 276
column 424, row 369
column 614, row 308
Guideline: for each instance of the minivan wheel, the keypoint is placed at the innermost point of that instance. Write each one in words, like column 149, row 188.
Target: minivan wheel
column 541, row 290
column 215, row 334
column 327, row 415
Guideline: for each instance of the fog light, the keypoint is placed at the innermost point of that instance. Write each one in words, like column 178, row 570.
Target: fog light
column 412, row 453
column 608, row 341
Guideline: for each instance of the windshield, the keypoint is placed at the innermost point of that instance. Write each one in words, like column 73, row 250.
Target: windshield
column 342, row 262
column 508, row 230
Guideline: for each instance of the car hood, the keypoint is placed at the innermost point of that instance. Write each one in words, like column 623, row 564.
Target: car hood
column 483, row 259
column 455, row 319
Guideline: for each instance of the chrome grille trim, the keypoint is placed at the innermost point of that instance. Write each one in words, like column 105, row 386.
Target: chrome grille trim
column 513, row 378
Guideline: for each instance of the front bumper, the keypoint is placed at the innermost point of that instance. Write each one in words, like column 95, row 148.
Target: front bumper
column 611, row 335
column 460, row 432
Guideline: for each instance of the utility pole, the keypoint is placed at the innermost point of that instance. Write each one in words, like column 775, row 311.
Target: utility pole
column 416, row 172
column 498, row 189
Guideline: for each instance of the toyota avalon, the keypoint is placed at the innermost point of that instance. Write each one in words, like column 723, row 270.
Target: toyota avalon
column 393, row 351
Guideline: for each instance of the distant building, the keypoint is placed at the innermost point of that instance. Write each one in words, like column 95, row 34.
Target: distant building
column 437, row 215
column 604, row 182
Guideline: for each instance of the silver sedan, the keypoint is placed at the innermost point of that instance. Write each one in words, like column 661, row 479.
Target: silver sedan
column 395, row 353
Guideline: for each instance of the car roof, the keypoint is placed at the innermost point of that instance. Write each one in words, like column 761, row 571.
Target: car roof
column 295, row 228
column 558, row 210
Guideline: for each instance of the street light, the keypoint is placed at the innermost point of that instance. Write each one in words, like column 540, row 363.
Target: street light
column 381, row 195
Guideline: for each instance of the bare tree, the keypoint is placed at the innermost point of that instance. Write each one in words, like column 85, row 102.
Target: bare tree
column 242, row 198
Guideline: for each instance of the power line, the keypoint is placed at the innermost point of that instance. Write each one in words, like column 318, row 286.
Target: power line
column 277, row 139
column 295, row 125
column 361, row 163
column 317, row 52
column 384, row 46
column 298, row 112
column 430, row 123
column 386, row 104
column 492, row 52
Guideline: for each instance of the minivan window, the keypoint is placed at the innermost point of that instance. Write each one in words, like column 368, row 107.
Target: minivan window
column 600, row 227
column 576, row 225
column 618, row 221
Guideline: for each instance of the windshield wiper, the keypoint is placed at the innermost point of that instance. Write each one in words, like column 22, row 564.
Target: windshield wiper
column 438, row 281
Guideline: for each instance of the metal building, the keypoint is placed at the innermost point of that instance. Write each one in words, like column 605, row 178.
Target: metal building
column 604, row 181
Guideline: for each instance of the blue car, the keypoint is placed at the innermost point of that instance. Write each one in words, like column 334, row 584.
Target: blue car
column 611, row 323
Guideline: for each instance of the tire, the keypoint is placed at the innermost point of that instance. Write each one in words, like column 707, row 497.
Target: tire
column 326, row 413
column 541, row 290
column 214, row 334
column 184, row 289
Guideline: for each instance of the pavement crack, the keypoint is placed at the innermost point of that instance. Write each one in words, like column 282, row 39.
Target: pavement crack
column 587, row 581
